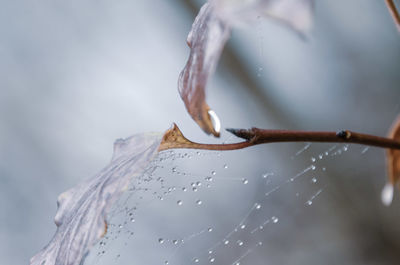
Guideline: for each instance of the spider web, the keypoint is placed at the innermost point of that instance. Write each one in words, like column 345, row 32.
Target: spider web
column 202, row 207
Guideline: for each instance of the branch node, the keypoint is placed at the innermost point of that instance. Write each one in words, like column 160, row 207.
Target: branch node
column 344, row 134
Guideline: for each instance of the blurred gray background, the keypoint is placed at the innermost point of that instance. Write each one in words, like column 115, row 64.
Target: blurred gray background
column 76, row 75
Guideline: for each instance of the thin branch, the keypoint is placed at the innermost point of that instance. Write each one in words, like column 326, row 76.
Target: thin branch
column 393, row 11
column 174, row 138
column 260, row 136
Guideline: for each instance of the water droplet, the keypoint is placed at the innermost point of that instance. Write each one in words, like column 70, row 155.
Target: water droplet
column 313, row 167
column 245, row 181
column 210, row 252
column 320, row 156
column 198, row 183
column 260, row 243
column 179, row 202
column 324, row 169
column 309, row 202
column 213, row 173
column 174, row 169
column 314, row 180
column 225, row 166
column 313, row 159
column 215, row 120
column 226, row 242
column 242, row 226
column 175, row 242
column 166, row 262
column 193, row 184
column 291, row 179
column 258, row 206
column 160, row 240
column 194, row 189
column 275, row 219
column 132, row 220
column 120, row 226
column 209, row 178
column 199, row 202
column 184, row 189
column 240, row 243
column 212, row 260
column 209, row 229
column 387, row 194
column 196, row 260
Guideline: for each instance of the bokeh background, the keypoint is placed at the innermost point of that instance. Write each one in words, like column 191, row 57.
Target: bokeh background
column 76, row 75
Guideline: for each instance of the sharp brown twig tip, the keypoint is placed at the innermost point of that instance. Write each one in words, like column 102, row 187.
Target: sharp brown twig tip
column 238, row 133
column 233, row 131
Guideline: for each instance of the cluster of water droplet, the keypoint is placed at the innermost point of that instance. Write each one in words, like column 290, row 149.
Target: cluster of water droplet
column 188, row 189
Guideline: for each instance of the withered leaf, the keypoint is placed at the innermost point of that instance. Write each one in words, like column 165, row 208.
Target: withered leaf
column 393, row 165
column 82, row 210
column 206, row 40
column 211, row 30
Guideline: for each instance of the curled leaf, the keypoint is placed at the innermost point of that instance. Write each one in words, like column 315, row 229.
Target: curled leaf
column 393, row 164
column 206, row 39
column 211, row 30
column 82, row 210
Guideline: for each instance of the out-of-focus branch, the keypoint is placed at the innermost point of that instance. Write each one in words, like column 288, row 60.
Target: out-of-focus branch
column 393, row 11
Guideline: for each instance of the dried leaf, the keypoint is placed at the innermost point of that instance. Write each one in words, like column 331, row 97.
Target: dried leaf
column 393, row 163
column 206, row 40
column 211, row 30
column 297, row 14
column 82, row 210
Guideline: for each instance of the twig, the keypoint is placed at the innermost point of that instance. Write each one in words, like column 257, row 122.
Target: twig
column 393, row 11
column 174, row 138
column 260, row 136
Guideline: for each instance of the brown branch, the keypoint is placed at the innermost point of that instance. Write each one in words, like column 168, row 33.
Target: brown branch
column 174, row 138
column 393, row 11
column 260, row 136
